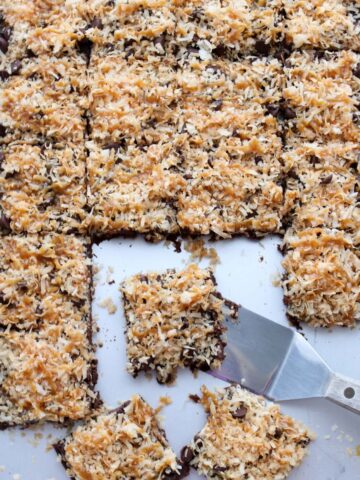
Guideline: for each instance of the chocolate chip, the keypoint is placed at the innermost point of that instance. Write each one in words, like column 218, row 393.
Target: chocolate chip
column 5, row 33
column 4, row 45
column 219, row 51
column 219, row 469
column 22, row 287
column 288, row 113
column 4, row 223
column 258, row 160
column 4, row 75
column 114, row 145
column 188, row 176
column 84, row 46
column 195, row 398
column 314, row 160
column 39, row 310
column 273, row 109
column 15, row 67
column 278, row 433
column 217, row 104
column 326, row 180
column 262, row 47
column 187, row 454
column 169, row 474
column 356, row 71
column 239, row 413
column 2, row 130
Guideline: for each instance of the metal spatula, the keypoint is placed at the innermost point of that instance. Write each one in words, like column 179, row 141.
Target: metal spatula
column 277, row 362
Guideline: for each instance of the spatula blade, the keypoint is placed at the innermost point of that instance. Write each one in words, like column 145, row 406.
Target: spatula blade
column 272, row 360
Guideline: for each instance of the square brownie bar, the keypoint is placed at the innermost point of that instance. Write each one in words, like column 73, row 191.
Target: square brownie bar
column 47, row 99
column 45, row 280
column 322, row 24
column 42, row 187
column 244, row 437
column 132, row 189
column 47, row 375
column 321, row 187
column 321, row 282
column 123, row 443
column 173, row 319
column 31, row 27
column 322, row 91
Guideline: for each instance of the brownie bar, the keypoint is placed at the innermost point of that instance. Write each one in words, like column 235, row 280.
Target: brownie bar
column 31, row 27
column 173, row 319
column 322, row 91
column 122, row 443
column 322, row 187
column 46, row 375
column 45, row 99
column 324, row 25
column 221, row 28
column 322, row 277
column 44, row 279
column 42, row 187
column 245, row 438
column 132, row 189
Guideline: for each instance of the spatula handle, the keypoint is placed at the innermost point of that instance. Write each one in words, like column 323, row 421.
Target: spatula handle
column 345, row 392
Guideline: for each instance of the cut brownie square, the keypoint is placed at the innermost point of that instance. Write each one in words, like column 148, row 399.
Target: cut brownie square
column 322, row 24
column 132, row 189
column 322, row 93
column 42, row 187
column 227, row 28
column 127, row 98
column 245, row 438
column 173, row 319
column 45, row 281
column 322, row 186
column 32, row 27
column 123, row 443
column 46, row 99
column 322, row 277
column 46, row 375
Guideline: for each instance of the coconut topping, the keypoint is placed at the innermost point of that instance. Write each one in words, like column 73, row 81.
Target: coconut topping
column 244, row 438
column 123, row 443
column 173, row 319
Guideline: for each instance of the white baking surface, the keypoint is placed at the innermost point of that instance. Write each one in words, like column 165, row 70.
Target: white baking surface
column 245, row 275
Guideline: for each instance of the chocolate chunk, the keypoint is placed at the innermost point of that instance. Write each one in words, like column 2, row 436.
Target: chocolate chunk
column 262, row 47
column 273, row 109
column 187, row 454
column 4, row 223
column 114, row 145
column 4, row 45
column 326, row 180
column 278, row 433
column 314, row 160
column 217, row 104
column 15, row 67
column 219, row 51
column 239, row 413
column 195, row 398
column 288, row 113
column 5, row 32
column 2, row 130
column 188, row 176
column 4, row 75
column 356, row 71
column 84, row 46
column 219, row 469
